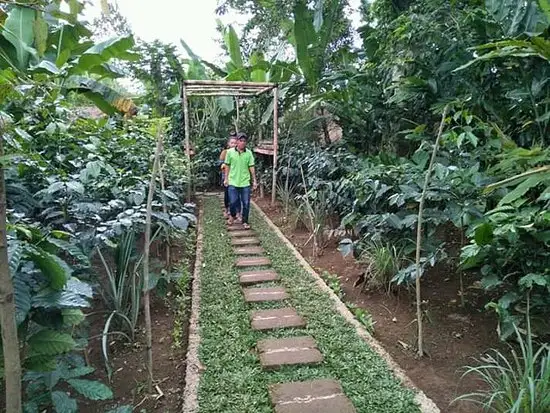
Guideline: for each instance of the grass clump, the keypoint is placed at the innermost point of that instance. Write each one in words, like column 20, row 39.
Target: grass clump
column 232, row 380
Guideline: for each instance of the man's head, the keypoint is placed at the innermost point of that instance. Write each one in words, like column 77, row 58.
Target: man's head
column 232, row 141
column 241, row 141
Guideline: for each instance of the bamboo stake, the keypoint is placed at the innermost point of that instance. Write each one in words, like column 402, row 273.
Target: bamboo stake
column 10, row 343
column 165, row 210
column 146, row 295
column 275, row 143
column 187, row 144
column 419, row 234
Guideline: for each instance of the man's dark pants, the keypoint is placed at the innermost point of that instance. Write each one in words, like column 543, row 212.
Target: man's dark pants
column 239, row 196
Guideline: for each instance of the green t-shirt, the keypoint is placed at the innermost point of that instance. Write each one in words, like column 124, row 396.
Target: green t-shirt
column 239, row 162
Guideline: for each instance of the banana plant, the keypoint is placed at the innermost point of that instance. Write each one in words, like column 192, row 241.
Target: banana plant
column 33, row 41
column 312, row 34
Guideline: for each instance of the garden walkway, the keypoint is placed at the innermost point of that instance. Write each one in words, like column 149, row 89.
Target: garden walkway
column 271, row 341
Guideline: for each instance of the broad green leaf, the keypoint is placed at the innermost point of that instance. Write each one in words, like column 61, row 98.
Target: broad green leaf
column 75, row 186
column 530, row 280
column 90, row 389
column 105, row 98
column 46, row 66
column 523, row 188
column 71, row 249
column 304, row 33
column 484, row 234
column 517, row 16
column 233, row 46
column 115, row 48
column 40, row 362
column 22, row 294
column 72, row 316
column 259, row 67
column 180, row 222
column 62, row 403
column 40, row 34
column 50, row 343
column 18, row 30
column 52, row 267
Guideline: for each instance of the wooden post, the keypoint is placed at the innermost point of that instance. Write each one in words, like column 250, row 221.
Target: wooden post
column 185, row 105
column 10, row 343
column 275, row 143
column 146, row 251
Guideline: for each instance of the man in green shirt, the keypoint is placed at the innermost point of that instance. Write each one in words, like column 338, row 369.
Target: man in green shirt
column 239, row 171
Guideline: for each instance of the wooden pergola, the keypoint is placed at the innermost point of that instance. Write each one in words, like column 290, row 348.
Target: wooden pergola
column 209, row 88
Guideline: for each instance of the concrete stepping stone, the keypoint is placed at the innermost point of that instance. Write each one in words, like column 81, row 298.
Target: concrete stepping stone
column 252, row 262
column 235, row 227
column 249, row 250
column 258, row 276
column 275, row 353
column 279, row 318
column 245, row 241
column 315, row 396
column 242, row 233
column 258, row 295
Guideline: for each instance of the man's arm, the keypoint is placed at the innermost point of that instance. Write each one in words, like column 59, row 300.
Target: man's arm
column 226, row 168
column 252, row 170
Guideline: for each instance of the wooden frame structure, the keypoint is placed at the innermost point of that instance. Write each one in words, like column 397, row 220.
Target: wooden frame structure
column 214, row 88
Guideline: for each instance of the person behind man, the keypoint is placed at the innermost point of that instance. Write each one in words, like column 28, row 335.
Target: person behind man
column 239, row 172
column 231, row 143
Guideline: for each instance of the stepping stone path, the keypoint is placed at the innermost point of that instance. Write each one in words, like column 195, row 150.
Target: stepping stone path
column 249, row 250
column 258, row 295
column 279, row 318
column 252, row 262
column 315, row 396
column 275, row 353
column 242, row 233
column 245, row 241
column 259, row 276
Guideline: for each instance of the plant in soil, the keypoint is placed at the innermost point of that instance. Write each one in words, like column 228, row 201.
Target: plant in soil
column 516, row 381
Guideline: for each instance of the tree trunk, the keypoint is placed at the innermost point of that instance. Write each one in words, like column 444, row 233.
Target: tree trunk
column 146, row 295
column 10, row 343
column 419, row 236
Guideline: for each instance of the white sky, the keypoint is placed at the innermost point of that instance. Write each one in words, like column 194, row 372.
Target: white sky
column 191, row 20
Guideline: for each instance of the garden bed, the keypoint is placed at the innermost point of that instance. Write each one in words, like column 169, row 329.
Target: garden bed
column 170, row 318
column 453, row 335
column 231, row 377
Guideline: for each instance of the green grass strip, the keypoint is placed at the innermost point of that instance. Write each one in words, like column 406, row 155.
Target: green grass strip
column 233, row 381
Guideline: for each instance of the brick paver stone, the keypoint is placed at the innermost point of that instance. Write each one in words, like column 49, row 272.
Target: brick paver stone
column 279, row 318
column 252, row 262
column 257, row 276
column 245, row 241
column 256, row 295
column 275, row 353
column 249, row 250
column 315, row 396
column 242, row 233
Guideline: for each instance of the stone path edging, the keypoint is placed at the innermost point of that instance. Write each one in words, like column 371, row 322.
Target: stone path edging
column 193, row 365
column 426, row 404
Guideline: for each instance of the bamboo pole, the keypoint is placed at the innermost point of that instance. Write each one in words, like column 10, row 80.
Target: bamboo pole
column 237, row 107
column 275, row 143
column 10, row 343
column 419, row 235
column 146, row 250
column 228, row 83
column 165, row 210
column 185, row 104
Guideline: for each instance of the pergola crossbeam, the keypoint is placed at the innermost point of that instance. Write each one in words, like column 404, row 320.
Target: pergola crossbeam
column 212, row 88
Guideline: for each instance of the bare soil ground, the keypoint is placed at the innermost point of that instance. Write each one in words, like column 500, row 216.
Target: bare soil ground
column 453, row 335
column 129, row 378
